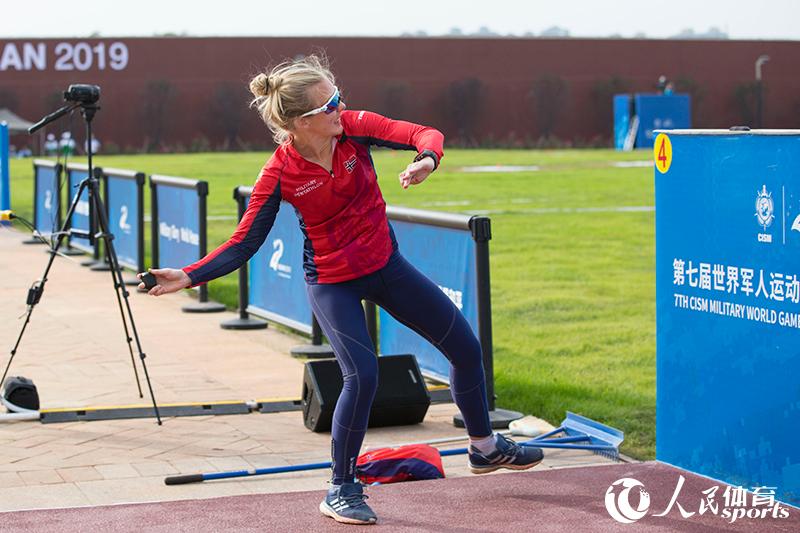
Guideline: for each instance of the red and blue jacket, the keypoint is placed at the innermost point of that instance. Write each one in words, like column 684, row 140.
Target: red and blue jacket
column 342, row 213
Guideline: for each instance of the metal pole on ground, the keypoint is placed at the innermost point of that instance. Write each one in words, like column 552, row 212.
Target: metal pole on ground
column 482, row 233
column 317, row 349
column 203, row 305
column 244, row 321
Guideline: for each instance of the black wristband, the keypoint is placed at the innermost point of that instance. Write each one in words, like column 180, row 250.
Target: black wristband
column 428, row 153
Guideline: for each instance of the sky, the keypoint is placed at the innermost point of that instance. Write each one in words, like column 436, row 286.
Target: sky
column 767, row 19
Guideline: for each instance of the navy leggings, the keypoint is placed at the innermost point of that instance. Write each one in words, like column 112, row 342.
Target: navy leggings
column 417, row 302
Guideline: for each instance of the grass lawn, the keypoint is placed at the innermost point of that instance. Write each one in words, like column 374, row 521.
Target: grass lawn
column 573, row 276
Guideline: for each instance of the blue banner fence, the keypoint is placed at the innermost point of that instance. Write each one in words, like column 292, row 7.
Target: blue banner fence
column 124, row 200
column 451, row 249
column 46, row 198
column 83, row 217
column 728, row 306
column 275, row 286
column 179, row 228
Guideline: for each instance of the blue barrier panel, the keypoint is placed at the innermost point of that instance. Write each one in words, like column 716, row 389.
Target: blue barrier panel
column 46, row 200
column 82, row 215
column 622, row 119
column 277, row 284
column 446, row 255
column 5, row 181
column 657, row 112
column 178, row 225
column 125, row 206
column 728, row 306
column 176, row 221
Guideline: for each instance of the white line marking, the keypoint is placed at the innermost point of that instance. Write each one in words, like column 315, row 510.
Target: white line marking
column 501, row 168
column 632, row 164
column 552, row 210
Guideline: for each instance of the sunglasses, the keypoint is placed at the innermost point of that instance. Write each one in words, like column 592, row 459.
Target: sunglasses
column 328, row 107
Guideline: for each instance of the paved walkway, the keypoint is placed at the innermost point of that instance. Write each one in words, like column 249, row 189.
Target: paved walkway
column 75, row 351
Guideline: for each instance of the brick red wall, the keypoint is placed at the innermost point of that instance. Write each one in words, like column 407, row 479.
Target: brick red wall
column 418, row 73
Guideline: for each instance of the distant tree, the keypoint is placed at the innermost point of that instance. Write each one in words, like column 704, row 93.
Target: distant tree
column 462, row 106
column 53, row 101
column 687, row 85
column 603, row 92
column 555, row 31
column 548, row 98
column 157, row 101
column 712, row 33
column 745, row 95
column 393, row 99
column 8, row 99
column 686, row 33
column 796, row 118
column 455, row 31
column 226, row 111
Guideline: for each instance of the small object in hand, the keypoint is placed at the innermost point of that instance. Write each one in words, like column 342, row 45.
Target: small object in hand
column 149, row 281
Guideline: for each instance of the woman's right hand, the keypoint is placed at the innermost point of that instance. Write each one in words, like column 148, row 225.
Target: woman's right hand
column 167, row 280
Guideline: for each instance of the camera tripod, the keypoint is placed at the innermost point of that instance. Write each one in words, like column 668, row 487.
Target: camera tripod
column 85, row 97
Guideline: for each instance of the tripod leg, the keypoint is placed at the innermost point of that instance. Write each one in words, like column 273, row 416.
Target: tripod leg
column 102, row 220
column 36, row 291
column 119, row 286
column 19, row 339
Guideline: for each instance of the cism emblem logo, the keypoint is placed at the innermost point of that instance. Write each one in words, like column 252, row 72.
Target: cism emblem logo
column 618, row 500
column 765, row 209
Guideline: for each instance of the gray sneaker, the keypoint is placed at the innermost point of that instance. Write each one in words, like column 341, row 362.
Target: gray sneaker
column 508, row 454
column 345, row 503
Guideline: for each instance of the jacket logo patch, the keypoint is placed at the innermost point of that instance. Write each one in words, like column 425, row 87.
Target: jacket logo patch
column 307, row 188
column 350, row 164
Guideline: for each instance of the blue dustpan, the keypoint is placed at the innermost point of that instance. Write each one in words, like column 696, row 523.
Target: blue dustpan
column 581, row 433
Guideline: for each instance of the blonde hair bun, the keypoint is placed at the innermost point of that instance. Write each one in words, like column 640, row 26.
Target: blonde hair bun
column 282, row 93
column 274, row 82
column 259, row 86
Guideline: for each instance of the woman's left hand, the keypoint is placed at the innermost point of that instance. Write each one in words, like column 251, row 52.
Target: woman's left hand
column 416, row 172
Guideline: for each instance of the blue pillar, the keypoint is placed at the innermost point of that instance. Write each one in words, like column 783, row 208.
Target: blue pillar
column 5, row 186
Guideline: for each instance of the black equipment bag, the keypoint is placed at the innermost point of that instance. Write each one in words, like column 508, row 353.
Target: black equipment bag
column 21, row 392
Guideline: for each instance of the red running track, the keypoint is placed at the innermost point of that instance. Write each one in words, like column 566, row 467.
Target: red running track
column 567, row 500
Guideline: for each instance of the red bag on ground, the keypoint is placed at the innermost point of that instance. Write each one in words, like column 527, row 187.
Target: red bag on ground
column 404, row 463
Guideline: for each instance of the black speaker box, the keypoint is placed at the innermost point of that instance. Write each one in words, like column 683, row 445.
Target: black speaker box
column 401, row 399
column 21, row 392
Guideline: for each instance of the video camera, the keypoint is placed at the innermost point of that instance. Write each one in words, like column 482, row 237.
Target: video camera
column 82, row 93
